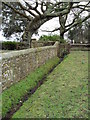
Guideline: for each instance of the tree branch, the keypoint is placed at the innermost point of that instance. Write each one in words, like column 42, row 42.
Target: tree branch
column 56, row 14
column 16, row 11
column 33, row 8
column 38, row 12
column 51, row 31
column 30, row 7
column 24, row 8
column 75, row 24
column 42, row 4
column 71, row 26
column 71, row 23
column 77, row 6
column 83, row 9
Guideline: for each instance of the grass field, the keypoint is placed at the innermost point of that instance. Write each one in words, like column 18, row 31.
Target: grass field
column 64, row 94
column 13, row 95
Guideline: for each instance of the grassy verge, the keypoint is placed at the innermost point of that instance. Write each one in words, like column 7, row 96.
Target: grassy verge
column 64, row 94
column 15, row 93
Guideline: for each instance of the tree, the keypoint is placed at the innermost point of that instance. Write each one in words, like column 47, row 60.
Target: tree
column 87, row 31
column 12, row 23
column 76, row 34
column 80, row 33
column 76, row 9
column 35, row 18
column 47, row 10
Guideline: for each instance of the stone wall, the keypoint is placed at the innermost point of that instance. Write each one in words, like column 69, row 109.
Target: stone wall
column 81, row 47
column 35, row 43
column 18, row 64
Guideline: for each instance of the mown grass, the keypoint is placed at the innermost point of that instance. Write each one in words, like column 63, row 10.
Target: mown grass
column 64, row 94
column 15, row 93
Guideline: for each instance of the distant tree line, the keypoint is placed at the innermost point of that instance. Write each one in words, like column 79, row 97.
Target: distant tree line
column 80, row 33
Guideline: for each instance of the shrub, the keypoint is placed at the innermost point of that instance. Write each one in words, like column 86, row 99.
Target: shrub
column 8, row 45
column 52, row 38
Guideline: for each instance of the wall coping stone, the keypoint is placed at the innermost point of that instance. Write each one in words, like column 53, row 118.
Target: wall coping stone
column 23, row 52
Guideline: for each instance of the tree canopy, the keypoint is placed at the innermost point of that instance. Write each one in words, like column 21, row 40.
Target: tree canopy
column 27, row 16
column 80, row 33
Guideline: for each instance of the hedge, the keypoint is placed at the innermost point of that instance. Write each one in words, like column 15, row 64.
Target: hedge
column 8, row 45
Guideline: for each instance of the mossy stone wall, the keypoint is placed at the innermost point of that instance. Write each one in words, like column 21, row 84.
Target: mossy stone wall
column 18, row 64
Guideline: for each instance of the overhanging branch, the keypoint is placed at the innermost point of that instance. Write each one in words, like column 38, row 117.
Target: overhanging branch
column 70, row 26
column 33, row 8
column 51, row 30
column 75, row 24
column 24, row 8
column 16, row 11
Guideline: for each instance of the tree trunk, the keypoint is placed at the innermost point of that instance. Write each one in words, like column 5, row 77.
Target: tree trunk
column 29, row 39
column 32, row 27
column 26, row 38
column 62, row 26
column 61, row 35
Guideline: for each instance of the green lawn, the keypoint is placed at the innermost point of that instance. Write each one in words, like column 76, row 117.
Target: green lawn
column 13, row 95
column 64, row 94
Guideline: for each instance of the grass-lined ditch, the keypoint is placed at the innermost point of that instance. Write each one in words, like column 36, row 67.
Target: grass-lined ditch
column 14, row 95
column 64, row 94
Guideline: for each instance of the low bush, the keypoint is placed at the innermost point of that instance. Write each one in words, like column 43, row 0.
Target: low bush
column 12, row 96
column 8, row 45
column 52, row 38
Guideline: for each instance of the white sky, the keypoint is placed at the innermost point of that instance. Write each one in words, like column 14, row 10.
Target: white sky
column 49, row 25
